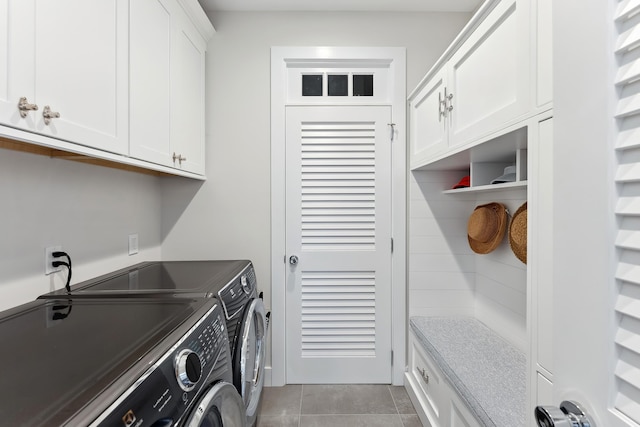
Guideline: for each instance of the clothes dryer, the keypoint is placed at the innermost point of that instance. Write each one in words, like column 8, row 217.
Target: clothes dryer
column 125, row 362
column 232, row 282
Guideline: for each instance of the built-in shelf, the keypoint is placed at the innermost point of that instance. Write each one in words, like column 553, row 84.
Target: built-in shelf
column 487, row 160
column 489, row 187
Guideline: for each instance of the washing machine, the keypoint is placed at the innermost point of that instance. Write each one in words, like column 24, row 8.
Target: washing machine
column 118, row 362
column 232, row 282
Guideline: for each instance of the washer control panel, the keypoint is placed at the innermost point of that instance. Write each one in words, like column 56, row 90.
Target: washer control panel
column 237, row 292
column 166, row 392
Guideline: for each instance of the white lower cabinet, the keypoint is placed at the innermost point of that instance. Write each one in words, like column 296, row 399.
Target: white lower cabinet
column 437, row 404
column 167, row 86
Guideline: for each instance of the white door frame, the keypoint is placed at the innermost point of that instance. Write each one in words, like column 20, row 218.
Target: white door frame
column 281, row 59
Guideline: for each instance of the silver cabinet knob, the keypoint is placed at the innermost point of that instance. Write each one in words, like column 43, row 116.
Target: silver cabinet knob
column 293, row 260
column 48, row 114
column 24, row 107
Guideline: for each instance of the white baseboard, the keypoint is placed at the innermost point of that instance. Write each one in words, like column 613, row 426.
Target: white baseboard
column 267, row 376
column 416, row 400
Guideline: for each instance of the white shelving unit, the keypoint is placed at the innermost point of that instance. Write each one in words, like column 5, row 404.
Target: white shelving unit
column 455, row 136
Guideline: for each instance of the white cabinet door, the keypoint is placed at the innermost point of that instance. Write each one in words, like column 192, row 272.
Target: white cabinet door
column 150, row 74
column 167, row 86
column 428, row 120
column 489, row 74
column 544, row 52
column 187, row 96
column 16, row 67
column 69, row 55
column 81, row 56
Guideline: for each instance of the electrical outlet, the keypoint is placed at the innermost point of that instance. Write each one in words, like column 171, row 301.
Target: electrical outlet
column 48, row 259
column 133, row 244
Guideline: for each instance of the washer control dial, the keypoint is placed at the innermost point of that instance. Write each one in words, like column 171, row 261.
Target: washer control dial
column 246, row 284
column 188, row 369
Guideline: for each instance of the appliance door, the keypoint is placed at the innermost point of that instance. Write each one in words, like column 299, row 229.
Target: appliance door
column 220, row 406
column 249, row 357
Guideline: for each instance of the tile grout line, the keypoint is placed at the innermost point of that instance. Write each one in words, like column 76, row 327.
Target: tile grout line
column 393, row 399
column 300, row 407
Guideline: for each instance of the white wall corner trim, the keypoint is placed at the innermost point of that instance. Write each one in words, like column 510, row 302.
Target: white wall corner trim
column 394, row 60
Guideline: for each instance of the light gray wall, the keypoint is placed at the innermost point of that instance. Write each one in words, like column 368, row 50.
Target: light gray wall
column 88, row 210
column 229, row 215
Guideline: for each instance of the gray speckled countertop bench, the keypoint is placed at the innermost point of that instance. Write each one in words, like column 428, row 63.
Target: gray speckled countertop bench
column 487, row 372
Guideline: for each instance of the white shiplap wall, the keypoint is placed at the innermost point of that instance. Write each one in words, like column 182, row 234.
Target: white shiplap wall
column 441, row 264
column 501, row 280
column 445, row 276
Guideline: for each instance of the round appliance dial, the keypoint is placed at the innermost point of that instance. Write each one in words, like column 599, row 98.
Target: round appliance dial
column 246, row 285
column 188, row 369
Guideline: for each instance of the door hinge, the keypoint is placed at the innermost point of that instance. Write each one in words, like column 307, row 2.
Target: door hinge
column 393, row 130
column 391, row 357
column 392, row 245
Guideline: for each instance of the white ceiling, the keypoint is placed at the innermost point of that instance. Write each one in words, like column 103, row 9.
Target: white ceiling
column 342, row 5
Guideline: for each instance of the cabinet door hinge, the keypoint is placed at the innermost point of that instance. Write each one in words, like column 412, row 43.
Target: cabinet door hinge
column 391, row 357
column 392, row 245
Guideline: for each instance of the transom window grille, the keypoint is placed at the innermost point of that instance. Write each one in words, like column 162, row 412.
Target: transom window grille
column 337, row 84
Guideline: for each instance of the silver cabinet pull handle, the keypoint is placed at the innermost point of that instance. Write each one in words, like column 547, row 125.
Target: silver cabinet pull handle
column 448, row 98
column 48, row 114
column 423, row 374
column 25, row 107
column 179, row 158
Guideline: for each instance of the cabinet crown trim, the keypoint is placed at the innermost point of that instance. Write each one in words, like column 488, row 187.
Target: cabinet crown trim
column 199, row 18
column 479, row 16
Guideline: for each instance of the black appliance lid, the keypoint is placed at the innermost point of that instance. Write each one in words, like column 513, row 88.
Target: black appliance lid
column 58, row 355
column 194, row 277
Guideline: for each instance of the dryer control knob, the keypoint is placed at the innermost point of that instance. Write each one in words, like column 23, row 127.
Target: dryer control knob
column 246, row 285
column 188, row 369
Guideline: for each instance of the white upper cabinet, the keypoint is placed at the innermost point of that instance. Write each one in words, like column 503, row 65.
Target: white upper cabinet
column 120, row 81
column 167, row 86
column 428, row 119
column 69, row 58
column 150, row 67
column 544, row 53
column 489, row 75
column 480, row 85
column 188, row 98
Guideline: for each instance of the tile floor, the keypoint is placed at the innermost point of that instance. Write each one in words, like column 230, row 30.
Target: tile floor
column 336, row 406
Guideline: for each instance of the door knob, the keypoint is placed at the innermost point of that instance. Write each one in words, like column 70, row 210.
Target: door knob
column 570, row 414
column 293, row 260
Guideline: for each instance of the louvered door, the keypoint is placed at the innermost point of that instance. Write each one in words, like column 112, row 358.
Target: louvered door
column 596, row 208
column 339, row 227
column 627, row 336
